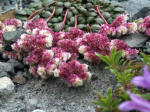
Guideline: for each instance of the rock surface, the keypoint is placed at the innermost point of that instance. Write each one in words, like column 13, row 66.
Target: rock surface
column 54, row 96
column 6, row 86
column 6, row 67
column 134, row 6
column 135, row 40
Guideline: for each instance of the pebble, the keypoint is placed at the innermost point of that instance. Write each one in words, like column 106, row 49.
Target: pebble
column 6, row 86
column 38, row 110
column 6, row 67
column 19, row 79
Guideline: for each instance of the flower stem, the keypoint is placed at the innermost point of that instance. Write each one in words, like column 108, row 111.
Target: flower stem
column 37, row 11
column 100, row 14
column 34, row 14
column 50, row 17
column 76, row 21
column 63, row 23
column 89, row 28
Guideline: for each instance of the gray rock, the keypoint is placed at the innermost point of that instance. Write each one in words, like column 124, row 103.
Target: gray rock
column 142, row 13
column 16, row 64
column 6, row 86
column 135, row 40
column 31, row 104
column 134, row 6
column 4, row 74
column 38, row 110
column 6, row 67
column 12, row 36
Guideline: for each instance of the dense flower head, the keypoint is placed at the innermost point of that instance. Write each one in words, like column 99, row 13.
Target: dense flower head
column 14, row 22
column 74, row 73
column 9, row 28
column 121, row 19
column 92, row 43
column 42, row 31
column 145, row 26
column 119, row 44
column 37, row 23
column 29, row 42
column 119, row 27
column 35, row 56
column 121, row 30
column 68, row 46
column 132, row 27
column 58, row 36
column 74, row 33
column 130, row 53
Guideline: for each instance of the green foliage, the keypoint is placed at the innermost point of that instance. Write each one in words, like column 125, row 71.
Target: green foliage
column 122, row 68
column 108, row 103
column 146, row 59
column 113, row 60
column 146, row 96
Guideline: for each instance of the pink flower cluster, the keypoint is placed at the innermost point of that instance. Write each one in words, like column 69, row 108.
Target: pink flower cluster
column 92, row 43
column 10, row 25
column 74, row 73
column 51, row 53
column 119, row 27
column 144, row 26
column 121, row 45
column 27, row 42
column 35, row 23
column 45, row 62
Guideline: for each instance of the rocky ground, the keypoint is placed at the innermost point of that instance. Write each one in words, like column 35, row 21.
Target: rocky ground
column 24, row 93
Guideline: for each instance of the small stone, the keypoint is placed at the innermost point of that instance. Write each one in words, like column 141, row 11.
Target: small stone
column 4, row 74
column 6, row 67
column 16, row 64
column 12, row 36
column 19, row 79
column 38, row 110
column 6, row 86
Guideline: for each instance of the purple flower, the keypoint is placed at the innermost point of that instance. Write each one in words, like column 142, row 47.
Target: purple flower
column 143, row 81
column 136, row 103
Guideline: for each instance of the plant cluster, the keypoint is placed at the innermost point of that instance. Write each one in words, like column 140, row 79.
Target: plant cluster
column 85, row 9
column 50, row 53
column 119, row 27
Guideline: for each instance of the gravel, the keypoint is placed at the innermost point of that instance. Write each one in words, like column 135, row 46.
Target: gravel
column 54, row 96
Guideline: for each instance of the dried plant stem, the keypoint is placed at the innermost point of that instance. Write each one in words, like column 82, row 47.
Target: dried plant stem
column 63, row 23
column 50, row 17
column 100, row 14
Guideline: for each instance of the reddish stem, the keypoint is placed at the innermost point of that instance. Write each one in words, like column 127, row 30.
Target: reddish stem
column 63, row 23
column 34, row 14
column 89, row 28
column 100, row 14
column 50, row 17
column 76, row 21
column 37, row 11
